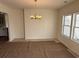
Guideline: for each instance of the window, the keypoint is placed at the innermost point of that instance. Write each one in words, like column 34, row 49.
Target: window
column 70, row 26
column 76, row 26
column 66, row 25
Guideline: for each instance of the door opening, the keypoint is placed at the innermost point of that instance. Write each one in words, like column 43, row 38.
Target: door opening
column 4, row 33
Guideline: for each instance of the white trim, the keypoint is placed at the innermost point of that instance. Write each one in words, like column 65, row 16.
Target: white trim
column 22, row 39
column 40, row 39
column 18, row 40
column 74, row 54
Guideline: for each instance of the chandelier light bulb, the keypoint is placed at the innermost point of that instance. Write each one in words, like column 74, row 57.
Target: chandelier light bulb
column 36, row 16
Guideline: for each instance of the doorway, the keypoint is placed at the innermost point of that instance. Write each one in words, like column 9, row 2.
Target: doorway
column 4, row 33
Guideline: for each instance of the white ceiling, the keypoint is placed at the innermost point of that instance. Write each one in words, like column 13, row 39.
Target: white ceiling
column 55, row 4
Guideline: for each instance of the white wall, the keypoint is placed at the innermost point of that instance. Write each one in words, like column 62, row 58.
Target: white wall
column 69, row 9
column 46, row 28
column 15, row 17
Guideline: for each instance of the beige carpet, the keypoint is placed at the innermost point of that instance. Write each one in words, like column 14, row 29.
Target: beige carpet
column 33, row 50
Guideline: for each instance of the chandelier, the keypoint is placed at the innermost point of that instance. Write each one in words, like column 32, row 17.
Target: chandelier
column 35, row 16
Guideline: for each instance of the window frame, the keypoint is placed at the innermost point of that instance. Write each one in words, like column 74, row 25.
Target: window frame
column 74, row 27
column 63, row 24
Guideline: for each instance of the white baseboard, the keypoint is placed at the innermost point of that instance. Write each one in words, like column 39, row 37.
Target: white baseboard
column 56, row 40
column 40, row 39
column 22, row 39
column 18, row 40
column 74, row 54
column 69, row 50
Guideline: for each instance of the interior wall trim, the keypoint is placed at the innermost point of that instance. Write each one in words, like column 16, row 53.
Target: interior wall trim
column 73, row 53
column 41, row 39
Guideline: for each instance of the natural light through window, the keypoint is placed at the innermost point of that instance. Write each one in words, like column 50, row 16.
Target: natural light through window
column 66, row 25
column 76, row 28
column 70, row 26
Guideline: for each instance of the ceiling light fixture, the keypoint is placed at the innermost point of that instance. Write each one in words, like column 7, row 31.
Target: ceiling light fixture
column 36, row 16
